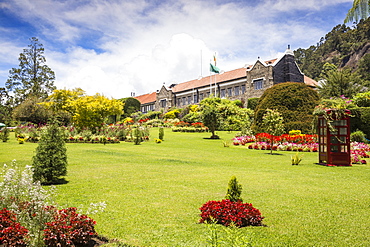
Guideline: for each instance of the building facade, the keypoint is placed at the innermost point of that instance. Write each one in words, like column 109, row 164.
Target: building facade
column 243, row 83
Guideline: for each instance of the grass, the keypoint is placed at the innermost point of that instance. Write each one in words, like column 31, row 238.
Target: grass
column 153, row 191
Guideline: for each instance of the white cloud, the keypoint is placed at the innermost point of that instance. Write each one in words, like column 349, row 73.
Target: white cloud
column 139, row 45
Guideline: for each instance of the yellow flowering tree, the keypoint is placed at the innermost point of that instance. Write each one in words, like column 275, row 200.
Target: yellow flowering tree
column 87, row 111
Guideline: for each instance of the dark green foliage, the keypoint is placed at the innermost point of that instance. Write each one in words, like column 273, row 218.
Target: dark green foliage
column 161, row 133
column 337, row 47
column 30, row 111
column 358, row 136
column 50, row 160
column 210, row 114
column 5, row 106
column 360, row 119
column 131, row 105
column 295, row 101
column 340, row 82
column 234, row 190
column 252, row 103
column 4, row 134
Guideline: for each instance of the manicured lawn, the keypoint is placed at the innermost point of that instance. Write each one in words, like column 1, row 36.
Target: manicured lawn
column 153, row 191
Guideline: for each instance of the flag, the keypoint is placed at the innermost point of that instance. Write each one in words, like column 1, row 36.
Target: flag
column 214, row 69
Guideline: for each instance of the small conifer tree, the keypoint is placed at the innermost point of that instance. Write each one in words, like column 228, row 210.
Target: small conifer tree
column 50, row 161
column 5, row 134
column 234, row 190
column 161, row 133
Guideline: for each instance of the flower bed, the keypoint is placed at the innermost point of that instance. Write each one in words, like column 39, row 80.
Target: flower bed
column 286, row 146
column 359, row 152
column 300, row 143
column 226, row 212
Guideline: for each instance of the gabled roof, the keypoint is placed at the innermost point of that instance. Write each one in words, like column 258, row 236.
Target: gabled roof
column 147, row 98
column 265, row 63
column 205, row 81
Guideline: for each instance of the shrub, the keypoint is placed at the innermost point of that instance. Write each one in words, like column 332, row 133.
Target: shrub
column 161, row 133
column 151, row 115
column 69, row 229
column 172, row 114
column 362, row 99
column 50, row 161
column 234, row 190
column 27, row 199
column 226, row 212
column 360, row 119
column 295, row 101
column 358, row 136
column 11, row 232
column 4, row 134
column 252, row 103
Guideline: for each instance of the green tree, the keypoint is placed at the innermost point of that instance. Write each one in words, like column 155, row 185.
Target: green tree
column 50, row 160
column 210, row 114
column 86, row 111
column 31, row 111
column 360, row 10
column 130, row 106
column 93, row 111
column 340, row 82
column 33, row 77
column 364, row 68
column 62, row 99
column 273, row 124
column 234, row 190
column 5, row 107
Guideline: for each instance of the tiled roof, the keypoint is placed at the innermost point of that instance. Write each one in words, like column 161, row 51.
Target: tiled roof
column 310, row 82
column 147, row 98
column 205, row 81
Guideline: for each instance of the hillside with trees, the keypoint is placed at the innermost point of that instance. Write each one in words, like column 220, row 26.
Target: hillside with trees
column 343, row 46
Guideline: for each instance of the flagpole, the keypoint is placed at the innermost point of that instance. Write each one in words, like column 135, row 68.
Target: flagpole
column 210, row 80
column 215, row 60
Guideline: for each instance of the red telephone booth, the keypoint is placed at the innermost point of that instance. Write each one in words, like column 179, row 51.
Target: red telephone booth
column 334, row 141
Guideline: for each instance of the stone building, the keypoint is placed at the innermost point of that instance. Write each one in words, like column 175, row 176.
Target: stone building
column 243, row 83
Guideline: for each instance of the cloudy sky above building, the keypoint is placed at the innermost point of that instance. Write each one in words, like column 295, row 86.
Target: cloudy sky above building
column 116, row 47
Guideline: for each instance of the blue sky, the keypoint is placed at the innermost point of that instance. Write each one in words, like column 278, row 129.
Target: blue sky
column 116, row 47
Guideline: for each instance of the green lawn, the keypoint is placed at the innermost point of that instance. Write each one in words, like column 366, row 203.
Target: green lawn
column 153, row 191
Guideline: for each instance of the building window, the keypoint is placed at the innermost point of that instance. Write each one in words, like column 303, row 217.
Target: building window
column 189, row 100
column 178, row 101
column 183, row 101
column 195, row 98
column 236, row 91
column 207, row 94
column 229, row 92
column 223, row 93
column 258, row 84
column 201, row 97
column 243, row 89
column 163, row 103
column 143, row 109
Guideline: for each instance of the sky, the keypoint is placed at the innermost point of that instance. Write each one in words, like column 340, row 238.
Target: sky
column 120, row 47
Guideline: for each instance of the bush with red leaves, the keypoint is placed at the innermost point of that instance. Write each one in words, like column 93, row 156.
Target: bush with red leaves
column 69, row 228
column 11, row 232
column 225, row 212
